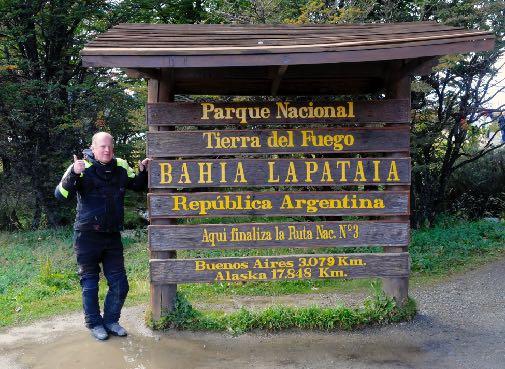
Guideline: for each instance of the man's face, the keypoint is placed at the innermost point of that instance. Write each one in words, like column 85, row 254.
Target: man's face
column 103, row 149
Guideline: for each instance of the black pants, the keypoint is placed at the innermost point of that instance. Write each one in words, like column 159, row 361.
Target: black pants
column 91, row 249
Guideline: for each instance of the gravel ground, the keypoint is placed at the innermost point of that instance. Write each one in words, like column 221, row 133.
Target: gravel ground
column 461, row 324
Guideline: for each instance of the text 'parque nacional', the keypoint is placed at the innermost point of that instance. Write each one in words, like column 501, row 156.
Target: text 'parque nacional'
column 277, row 112
column 284, row 110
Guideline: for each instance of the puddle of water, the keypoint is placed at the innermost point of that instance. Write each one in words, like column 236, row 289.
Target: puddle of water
column 195, row 350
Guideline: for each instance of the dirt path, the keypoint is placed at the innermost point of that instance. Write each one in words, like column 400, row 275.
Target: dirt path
column 461, row 324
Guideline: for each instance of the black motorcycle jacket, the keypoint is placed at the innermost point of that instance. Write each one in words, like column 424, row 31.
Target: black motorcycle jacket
column 100, row 191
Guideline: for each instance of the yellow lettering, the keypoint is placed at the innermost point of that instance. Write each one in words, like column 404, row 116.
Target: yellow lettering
column 287, row 203
column 393, row 172
column 205, row 170
column 223, row 171
column 376, row 177
column 180, row 202
column 271, row 178
column 291, row 175
column 206, row 109
column 199, row 265
column 310, row 168
column 240, row 173
column 184, row 178
column 326, row 176
column 350, row 106
column 282, row 109
column 165, row 173
column 343, row 164
column 360, row 172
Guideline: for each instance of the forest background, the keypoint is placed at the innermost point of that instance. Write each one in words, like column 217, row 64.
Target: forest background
column 50, row 105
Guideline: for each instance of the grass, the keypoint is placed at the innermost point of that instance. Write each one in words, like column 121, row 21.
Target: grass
column 38, row 271
column 378, row 309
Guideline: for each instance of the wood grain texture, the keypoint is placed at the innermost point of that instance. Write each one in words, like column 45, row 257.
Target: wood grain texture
column 235, row 39
column 163, row 296
column 207, row 173
column 399, row 86
column 140, row 59
column 335, row 203
column 182, row 113
column 288, row 267
column 274, row 235
column 310, row 140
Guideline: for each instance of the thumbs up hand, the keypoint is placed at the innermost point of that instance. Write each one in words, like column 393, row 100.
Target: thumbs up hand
column 144, row 164
column 78, row 165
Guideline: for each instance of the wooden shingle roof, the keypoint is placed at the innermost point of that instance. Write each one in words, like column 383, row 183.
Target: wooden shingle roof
column 205, row 45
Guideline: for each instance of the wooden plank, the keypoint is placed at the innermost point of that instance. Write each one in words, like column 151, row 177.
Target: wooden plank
column 163, row 297
column 398, row 86
column 291, row 87
column 268, row 141
column 214, row 36
column 275, row 268
column 110, row 58
column 323, row 71
column 204, row 173
column 255, row 48
column 279, row 112
column 334, row 203
column 275, row 235
column 200, row 46
column 222, row 39
column 225, row 33
column 200, row 29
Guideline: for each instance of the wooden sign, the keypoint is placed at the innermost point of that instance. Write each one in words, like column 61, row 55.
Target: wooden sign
column 335, row 203
column 279, row 112
column 278, row 172
column 278, row 141
column 270, row 235
column 275, row 268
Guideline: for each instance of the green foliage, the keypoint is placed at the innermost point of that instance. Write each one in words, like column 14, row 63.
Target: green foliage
column 134, row 210
column 453, row 243
column 50, row 106
column 55, row 280
column 38, row 274
column 377, row 309
column 252, row 12
column 477, row 190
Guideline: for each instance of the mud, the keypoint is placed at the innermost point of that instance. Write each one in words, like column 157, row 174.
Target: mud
column 461, row 325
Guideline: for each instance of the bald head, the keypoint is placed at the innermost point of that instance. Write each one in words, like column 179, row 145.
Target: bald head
column 100, row 135
column 102, row 145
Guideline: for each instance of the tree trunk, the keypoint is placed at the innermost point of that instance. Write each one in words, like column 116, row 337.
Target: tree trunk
column 37, row 214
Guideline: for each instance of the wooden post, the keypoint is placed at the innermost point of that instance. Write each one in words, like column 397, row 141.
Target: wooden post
column 162, row 296
column 398, row 87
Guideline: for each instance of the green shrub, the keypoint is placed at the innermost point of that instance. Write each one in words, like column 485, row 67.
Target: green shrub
column 477, row 189
column 377, row 309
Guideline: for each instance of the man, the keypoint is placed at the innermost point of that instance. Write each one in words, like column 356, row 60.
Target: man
column 100, row 181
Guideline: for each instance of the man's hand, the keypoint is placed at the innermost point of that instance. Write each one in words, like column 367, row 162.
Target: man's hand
column 78, row 165
column 144, row 164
